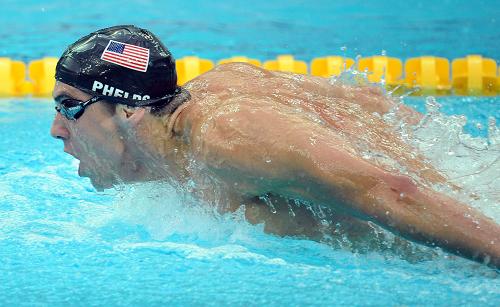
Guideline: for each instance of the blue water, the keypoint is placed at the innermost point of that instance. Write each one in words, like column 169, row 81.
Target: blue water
column 62, row 243
column 264, row 29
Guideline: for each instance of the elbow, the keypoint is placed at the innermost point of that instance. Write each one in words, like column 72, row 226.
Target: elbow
column 401, row 185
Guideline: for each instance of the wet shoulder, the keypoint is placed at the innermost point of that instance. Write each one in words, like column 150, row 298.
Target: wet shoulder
column 227, row 89
column 228, row 78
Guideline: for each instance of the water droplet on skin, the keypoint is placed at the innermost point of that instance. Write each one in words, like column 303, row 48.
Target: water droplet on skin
column 269, row 203
column 290, row 210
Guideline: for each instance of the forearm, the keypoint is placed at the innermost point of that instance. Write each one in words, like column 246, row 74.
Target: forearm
column 399, row 204
column 433, row 219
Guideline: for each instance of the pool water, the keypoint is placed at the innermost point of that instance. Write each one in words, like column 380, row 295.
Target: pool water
column 265, row 29
column 62, row 243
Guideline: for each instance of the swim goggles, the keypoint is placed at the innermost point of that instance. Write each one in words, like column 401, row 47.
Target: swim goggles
column 73, row 109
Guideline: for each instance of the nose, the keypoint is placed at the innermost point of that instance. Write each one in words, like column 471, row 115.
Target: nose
column 58, row 130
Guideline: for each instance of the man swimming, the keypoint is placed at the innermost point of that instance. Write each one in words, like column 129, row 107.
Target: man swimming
column 243, row 135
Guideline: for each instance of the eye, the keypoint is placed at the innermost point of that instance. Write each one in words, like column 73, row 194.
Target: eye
column 69, row 102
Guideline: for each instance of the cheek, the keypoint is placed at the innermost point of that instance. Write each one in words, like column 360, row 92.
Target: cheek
column 100, row 143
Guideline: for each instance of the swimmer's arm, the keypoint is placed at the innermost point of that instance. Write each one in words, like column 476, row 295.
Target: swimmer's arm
column 410, row 210
column 264, row 151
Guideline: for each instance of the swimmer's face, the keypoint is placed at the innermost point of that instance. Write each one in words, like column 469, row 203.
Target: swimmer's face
column 94, row 139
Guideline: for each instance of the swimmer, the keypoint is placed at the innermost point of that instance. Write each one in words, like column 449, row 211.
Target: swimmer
column 271, row 143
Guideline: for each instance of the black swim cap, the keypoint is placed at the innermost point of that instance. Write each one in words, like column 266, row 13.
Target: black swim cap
column 127, row 63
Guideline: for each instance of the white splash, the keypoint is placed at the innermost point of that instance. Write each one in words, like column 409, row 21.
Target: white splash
column 472, row 163
column 165, row 211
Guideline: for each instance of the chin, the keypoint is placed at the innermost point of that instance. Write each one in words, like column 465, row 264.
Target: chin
column 101, row 188
column 100, row 184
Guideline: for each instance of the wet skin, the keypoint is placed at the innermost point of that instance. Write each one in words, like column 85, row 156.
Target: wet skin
column 257, row 137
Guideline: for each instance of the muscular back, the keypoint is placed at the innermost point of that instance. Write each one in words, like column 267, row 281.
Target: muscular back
column 353, row 114
column 259, row 133
column 221, row 121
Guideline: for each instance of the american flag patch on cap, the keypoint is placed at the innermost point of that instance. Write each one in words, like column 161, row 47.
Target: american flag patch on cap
column 126, row 55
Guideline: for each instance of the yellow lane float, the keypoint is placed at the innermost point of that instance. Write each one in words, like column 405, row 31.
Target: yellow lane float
column 42, row 73
column 286, row 63
column 330, row 66
column 430, row 74
column 240, row 59
column 474, row 75
column 190, row 67
column 13, row 78
column 382, row 68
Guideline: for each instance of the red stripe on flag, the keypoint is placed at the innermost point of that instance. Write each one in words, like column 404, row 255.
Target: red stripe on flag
column 124, row 63
column 136, row 47
column 145, row 57
column 111, row 58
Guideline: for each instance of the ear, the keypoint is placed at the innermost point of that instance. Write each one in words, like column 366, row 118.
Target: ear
column 131, row 116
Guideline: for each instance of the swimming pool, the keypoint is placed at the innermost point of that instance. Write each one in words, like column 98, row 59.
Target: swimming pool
column 62, row 243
